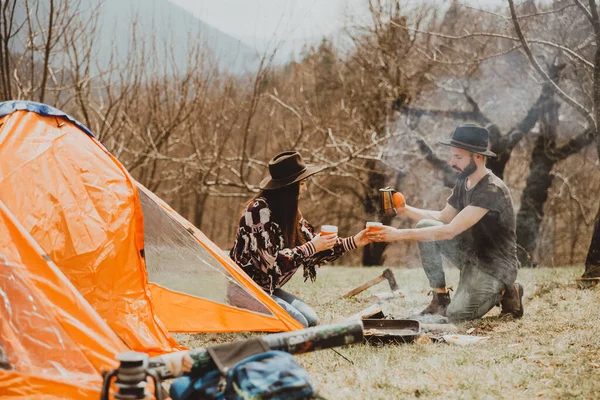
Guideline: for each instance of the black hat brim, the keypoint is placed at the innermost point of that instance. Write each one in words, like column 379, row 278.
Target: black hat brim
column 268, row 183
column 486, row 153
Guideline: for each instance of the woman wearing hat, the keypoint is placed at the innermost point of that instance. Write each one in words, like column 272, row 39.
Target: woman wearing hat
column 476, row 231
column 274, row 240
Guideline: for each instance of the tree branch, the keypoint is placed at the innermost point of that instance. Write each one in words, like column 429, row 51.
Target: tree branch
column 501, row 36
column 569, row 100
column 47, row 51
column 587, row 13
column 454, row 114
column 507, row 142
column 296, row 114
column 473, row 61
column 594, row 17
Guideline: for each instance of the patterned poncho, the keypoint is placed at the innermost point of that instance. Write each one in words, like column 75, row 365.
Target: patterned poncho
column 260, row 251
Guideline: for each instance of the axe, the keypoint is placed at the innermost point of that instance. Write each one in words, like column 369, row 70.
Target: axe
column 386, row 274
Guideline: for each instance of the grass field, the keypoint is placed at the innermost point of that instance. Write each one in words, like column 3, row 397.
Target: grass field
column 552, row 352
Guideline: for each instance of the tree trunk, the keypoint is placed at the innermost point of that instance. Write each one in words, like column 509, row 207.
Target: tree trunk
column 538, row 183
column 498, row 164
column 199, row 210
column 534, row 196
column 592, row 262
column 373, row 252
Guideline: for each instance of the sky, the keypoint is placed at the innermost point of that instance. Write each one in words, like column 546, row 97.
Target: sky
column 259, row 20
column 256, row 22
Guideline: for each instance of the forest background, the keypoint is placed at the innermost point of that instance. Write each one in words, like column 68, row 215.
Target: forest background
column 197, row 123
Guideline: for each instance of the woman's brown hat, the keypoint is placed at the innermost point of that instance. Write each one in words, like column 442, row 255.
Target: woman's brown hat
column 287, row 168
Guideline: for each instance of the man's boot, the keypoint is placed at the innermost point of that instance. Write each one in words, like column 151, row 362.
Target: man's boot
column 512, row 301
column 439, row 304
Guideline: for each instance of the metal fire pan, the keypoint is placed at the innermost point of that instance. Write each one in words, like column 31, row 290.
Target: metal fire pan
column 391, row 330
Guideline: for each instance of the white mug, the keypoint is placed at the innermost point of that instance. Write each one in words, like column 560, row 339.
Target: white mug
column 329, row 230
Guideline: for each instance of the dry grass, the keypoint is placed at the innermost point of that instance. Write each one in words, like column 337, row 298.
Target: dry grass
column 553, row 352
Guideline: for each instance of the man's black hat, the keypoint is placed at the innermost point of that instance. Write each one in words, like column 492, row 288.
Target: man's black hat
column 472, row 138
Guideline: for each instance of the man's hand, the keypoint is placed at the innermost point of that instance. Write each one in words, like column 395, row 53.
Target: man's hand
column 399, row 202
column 383, row 234
column 187, row 362
column 361, row 239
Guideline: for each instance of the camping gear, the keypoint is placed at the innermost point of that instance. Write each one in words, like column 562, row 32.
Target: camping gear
column 132, row 376
column 373, row 226
column 391, row 330
column 117, row 242
column 390, row 200
column 386, row 274
column 270, row 375
column 53, row 340
column 86, row 254
column 329, row 230
column 233, row 360
column 373, row 311
column 387, row 201
column 297, row 342
column 222, row 298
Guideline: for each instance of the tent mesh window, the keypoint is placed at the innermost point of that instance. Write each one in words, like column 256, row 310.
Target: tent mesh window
column 177, row 261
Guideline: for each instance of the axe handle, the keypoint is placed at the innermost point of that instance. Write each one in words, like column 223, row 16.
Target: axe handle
column 363, row 287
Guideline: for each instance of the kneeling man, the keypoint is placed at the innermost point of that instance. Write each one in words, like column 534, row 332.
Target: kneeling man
column 476, row 231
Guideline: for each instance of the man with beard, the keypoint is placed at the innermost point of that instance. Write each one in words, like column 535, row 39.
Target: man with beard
column 475, row 231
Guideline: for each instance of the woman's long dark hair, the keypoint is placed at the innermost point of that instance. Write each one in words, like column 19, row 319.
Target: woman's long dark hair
column 283, row 203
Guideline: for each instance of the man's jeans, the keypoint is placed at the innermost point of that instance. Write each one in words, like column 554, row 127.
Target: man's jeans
column 295, row 307
column 477, row 290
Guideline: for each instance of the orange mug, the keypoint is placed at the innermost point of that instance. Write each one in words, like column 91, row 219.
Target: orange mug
column 329, row 230
column 374, row 226
column 398, row 199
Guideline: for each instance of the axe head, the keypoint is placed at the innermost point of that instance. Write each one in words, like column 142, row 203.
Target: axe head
column 389, row 275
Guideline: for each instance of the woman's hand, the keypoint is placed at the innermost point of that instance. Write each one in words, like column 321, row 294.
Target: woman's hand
column 383, row 234
column 324, row 242
column 361, row 239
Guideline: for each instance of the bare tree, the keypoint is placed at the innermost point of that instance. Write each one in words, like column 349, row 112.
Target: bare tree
column 383, row 71
column 371, row 112
column 9, row 28
column 590, row 112
column 547, row 151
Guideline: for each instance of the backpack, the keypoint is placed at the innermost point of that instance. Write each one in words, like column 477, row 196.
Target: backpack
column 271, row 375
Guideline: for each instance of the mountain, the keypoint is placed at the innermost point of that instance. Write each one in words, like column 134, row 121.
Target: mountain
column 174, row 30
column 170, row 24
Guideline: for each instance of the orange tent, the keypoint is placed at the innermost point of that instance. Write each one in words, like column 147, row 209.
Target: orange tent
column 52, row 343
column 110, row 237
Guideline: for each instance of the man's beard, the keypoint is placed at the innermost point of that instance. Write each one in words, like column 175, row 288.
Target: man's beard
column 469, row 169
